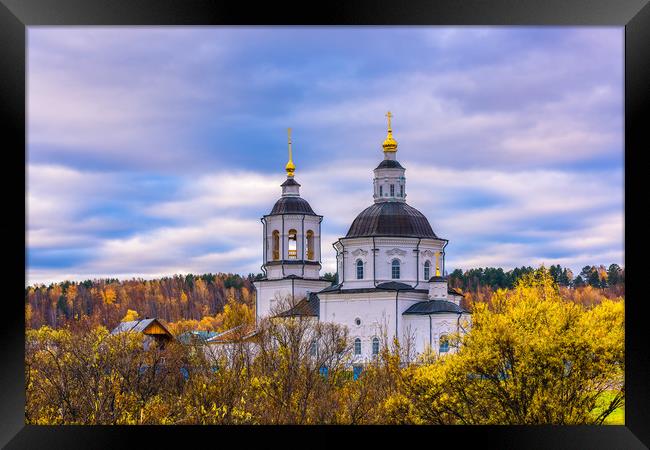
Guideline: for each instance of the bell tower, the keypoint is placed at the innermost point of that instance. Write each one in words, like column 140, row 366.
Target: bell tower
column 292, row 248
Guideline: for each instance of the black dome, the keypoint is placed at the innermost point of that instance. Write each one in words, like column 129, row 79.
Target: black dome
column 389, row 164
column 391, row 219
column 292, row 205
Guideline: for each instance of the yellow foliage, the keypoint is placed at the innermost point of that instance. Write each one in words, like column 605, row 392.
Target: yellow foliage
column 130, row 315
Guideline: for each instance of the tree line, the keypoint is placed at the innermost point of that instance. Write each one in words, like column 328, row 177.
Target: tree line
column 496, row 278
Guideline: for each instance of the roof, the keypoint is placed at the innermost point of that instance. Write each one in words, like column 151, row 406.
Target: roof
column 292, row 205
column 138, row 326
column 391, row 218
column 434, row 307
column 187, row 337
column 308, row 306
column 389, row 164
column 290, row 182
column 336, row 288
column 394, row 286
column 455, row 291
column 228, row 336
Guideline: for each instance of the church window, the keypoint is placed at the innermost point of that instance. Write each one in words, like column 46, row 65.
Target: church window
column 392, row 190
column 395, row 269
column 313, row 348
column 427, row 270
column 359, row 270
column 381, row 191
column 310, row 244
column 293, row 244
column 357, row 321
column 276, row 245
column 444, row 344
column 375, row 346
column 357, row 346
column 401, row 190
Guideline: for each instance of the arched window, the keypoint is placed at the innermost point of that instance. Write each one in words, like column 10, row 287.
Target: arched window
column 357, row 346
column 401, row 190
column 359, row 269
column 444, row 344
column 392, row 190
column 427, row 270
column 310, row 244
column 293, row 244
column 276, row 245
column 381, row 191
column 395, row 269
column 375, row 346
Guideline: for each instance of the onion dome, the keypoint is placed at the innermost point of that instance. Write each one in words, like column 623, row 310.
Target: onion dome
column 391, row 219
column 390, row 144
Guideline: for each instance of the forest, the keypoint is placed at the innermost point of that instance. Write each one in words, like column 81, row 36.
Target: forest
column 198, row 301
column 532, row 356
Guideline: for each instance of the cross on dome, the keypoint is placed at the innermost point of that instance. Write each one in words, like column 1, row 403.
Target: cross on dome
column 390, row 144
column 290, row 167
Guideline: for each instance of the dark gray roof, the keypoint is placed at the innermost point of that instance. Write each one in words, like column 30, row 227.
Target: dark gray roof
column 434, row 307
column 394, row 286
column 290, row 182
column 438, row 278
column 389, row 164
column 199, row 335
column 337, row 288
column 391, row 219
column 292, row 205
column 309, row 306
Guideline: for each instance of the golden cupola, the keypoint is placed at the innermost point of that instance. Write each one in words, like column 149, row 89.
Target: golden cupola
column 390, row 144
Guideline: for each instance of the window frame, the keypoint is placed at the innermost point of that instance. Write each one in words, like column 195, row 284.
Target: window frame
column 427, row 270
column 375, row 346
column 357, row 346
column 359, row 265
column 395, row 264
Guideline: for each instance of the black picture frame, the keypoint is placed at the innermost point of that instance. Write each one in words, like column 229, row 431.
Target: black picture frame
column 16, row 15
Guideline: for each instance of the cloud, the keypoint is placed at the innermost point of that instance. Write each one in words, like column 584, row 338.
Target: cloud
column 156, row 150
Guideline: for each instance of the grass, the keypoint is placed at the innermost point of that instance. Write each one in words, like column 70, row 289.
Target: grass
column 615, row 418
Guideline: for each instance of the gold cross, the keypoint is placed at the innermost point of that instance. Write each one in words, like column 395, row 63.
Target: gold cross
column 389, row 115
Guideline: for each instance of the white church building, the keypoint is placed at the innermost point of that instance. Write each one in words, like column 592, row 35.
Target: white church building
column 390, row 267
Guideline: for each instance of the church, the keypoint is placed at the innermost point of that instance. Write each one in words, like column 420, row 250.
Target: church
column 390, row 267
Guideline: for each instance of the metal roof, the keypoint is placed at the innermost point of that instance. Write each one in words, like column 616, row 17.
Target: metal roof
column 389, row 164
column 292, row 205
column 309, row 306
column 434, row 307
column 138, row 326
column 394, row 286
column 391, row 218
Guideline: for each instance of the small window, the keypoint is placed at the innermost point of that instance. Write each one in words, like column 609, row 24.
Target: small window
column 310, row 244
column 357, row 346
column 401, row 190
column 375, row 346
column 392, row 190
column 357, row 321
column 444, row 344
column 395, row 269
column 276, row 245
column 359, row 270
column 427, row 270
column 293, row 244
column 313, row 349
column 381, row 191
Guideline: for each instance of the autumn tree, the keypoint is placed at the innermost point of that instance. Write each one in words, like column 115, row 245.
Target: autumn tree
column 532, row 359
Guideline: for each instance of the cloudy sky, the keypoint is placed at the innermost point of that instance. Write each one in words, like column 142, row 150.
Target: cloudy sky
column 154, row 151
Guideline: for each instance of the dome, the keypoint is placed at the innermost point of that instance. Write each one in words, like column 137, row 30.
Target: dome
column 292, row 205
column 391, row 219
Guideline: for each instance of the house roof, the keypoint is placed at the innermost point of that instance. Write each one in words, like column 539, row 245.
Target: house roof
column 139, row 326
column 434, row 307
column 187, row 337
column 228, row 336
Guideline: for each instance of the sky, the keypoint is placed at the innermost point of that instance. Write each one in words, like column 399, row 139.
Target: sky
column 154, row 151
